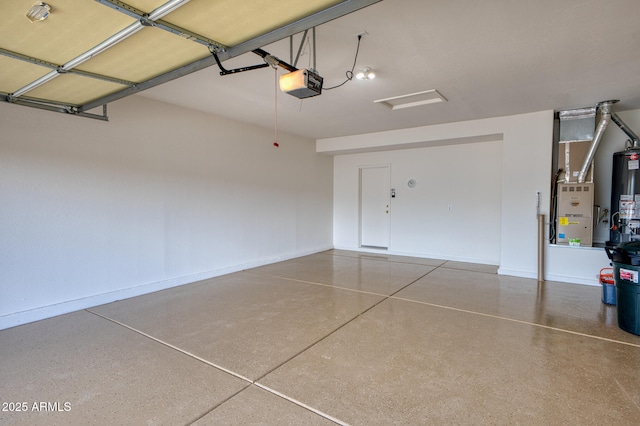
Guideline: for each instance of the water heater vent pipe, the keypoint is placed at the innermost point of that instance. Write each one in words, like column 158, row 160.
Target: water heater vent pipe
column 605, row 111
column 626, row 129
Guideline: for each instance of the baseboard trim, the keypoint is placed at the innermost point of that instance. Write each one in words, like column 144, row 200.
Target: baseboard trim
column 367, row 249
column 549, row 277
column 24, row 317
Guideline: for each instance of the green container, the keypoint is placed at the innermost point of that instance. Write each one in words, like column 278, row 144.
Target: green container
column 627, row 278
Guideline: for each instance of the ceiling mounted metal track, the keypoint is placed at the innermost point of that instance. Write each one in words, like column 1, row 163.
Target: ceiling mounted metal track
column 57, row 107
column 163, row 25
column 50, row 65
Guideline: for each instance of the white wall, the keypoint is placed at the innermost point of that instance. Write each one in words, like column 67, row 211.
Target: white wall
column 466, row 177
column 159, row 196
column 524, row 167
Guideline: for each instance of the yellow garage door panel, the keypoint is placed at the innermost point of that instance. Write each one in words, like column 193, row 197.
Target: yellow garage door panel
column 146, row 54
column 15, row 73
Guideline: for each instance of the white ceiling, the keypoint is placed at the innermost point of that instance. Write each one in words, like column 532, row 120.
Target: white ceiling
column 490, row 58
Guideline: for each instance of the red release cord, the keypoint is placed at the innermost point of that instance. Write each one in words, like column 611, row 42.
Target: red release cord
column 275, row 138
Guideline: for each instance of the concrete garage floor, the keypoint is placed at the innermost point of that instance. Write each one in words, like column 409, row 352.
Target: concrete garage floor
column 335, row 337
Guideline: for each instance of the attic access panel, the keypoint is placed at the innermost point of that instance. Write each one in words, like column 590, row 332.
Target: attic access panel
column 89, row 53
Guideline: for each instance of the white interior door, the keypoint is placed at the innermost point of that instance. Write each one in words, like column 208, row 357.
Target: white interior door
column 374, row 206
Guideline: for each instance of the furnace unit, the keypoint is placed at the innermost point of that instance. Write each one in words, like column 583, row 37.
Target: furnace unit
column 573, row 222
column 575, row 214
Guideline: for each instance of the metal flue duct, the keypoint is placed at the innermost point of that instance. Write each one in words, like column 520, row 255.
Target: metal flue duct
column 632, row 136
column 605, row 111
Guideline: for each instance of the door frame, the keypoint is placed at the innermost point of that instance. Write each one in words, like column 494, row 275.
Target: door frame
column 360, row 210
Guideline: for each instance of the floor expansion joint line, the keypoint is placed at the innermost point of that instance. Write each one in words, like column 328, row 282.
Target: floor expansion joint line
column 444, row 266
column 385, row 297
column 232, row 373
column 233, row 395
column 351, row 289
column 300, row 352
column 411, row 283
column 169, row 345
column 329, row 285
column 255, row 382
column 548, row 327
column 301, row 404
column 384, row 260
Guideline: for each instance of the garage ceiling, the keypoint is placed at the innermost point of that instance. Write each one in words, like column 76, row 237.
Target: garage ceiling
column 87, row 53
column 487, row 59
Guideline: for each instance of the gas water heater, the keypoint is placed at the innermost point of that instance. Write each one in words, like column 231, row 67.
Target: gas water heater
column 625, row 196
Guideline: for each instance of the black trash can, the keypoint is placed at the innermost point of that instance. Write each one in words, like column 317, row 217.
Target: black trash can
column 626, row 273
